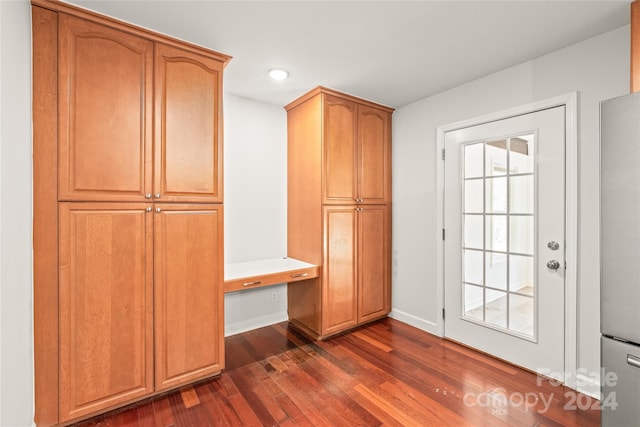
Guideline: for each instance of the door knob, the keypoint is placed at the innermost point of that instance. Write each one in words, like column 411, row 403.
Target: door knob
column 553, row 264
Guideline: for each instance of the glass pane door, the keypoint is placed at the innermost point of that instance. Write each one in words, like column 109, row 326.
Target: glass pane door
column 498, row 229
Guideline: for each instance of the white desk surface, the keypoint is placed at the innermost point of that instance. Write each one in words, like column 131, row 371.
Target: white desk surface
column 262, row 267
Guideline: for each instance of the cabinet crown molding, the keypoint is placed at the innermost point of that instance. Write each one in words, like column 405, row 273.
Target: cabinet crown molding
column 325, row 90
column 59, row 6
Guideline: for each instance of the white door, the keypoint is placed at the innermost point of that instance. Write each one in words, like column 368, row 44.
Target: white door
column 504, row 251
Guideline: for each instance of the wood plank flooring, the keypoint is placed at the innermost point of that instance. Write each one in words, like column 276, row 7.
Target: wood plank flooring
column 385, row 373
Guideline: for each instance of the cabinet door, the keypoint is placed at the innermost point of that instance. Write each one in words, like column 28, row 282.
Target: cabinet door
column 106, row 303
column 188, row 145
column 105, row 113
column 373, row 263
column 374, row 155
column 189, row 286
column 339, row 307
column 340, row 177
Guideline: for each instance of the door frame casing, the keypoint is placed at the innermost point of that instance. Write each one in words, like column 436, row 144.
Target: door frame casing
column 570, row 102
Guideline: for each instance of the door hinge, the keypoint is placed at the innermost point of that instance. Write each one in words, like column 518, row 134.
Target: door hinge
column 443, row 234
column 443, row 313
column 443, row 154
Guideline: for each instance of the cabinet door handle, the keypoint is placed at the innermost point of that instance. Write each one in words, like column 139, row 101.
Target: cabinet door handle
column 149, row 209
column 257, row 282
column 147, row 196
column 158, row 210
column 157, row 195
column 299, row 275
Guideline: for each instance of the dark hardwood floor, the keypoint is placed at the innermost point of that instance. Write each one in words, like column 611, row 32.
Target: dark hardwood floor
column 385, row 373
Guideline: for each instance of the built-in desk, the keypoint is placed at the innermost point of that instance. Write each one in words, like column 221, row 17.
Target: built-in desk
column 265, row 272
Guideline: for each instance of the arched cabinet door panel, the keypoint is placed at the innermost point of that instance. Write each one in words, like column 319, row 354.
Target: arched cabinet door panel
column 188, row 145
column 340, row 150
column 374, row 155
column 105, row 112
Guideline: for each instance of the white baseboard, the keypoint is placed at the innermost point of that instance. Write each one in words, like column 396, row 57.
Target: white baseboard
column 414, row 321
column 588, row 385
column 254, row 323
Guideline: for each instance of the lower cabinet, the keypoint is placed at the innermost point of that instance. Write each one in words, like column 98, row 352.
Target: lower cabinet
column 356, row 277
column 374, row 261
column 131, row 275
column 189, row 293
column 106, row 306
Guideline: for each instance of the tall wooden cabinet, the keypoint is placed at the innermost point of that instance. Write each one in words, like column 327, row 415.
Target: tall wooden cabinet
column 128, row 214
column 339, row 210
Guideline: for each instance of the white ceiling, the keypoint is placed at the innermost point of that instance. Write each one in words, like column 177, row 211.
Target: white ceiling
column 391, row 52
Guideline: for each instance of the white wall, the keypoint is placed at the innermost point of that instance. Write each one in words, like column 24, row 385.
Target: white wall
column 16, row 336
column 255, row 202
column 598, row 69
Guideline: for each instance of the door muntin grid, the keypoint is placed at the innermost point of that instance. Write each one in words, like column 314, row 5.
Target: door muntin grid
column 498, row 234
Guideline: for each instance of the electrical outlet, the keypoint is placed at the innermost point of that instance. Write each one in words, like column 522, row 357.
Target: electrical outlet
column 274, row 297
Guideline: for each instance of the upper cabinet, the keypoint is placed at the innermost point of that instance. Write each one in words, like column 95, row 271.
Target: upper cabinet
column 105, row 112
column 340, row 150
column 188, row 118
column 374, row 155
column 357, row 152
column 114, row 86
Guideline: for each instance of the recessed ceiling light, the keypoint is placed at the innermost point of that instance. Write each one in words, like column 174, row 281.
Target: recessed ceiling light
column 277, row 74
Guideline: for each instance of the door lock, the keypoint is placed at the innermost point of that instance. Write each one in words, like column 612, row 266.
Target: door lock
column 553, row 245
